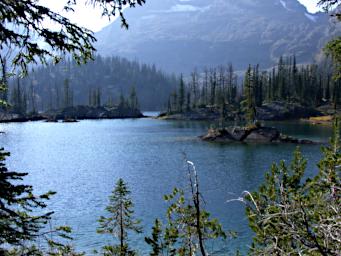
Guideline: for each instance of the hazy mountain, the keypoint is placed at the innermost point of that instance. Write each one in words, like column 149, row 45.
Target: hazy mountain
column 178, row 35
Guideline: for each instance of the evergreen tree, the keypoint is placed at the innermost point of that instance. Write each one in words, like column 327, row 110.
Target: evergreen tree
column 188, row 226
column 188, row 101
column 134, row 103
column 18, row 223
column 70, row 38
column 119, row 221
column 292, row 215
column 181, row 95
column 66, row 102
column 156, row 241
column 249, row 102
column 122, row 101
column 174, row 97
column 169, row 106
column 213, row 85
column 194, row 87
column 98, row 97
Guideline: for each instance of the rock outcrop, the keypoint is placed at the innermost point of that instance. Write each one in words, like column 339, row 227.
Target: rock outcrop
column 279, row 110
column 254, row 134
column 198, row 114
column 86, row 112
column 274, row 111
column 74, row 113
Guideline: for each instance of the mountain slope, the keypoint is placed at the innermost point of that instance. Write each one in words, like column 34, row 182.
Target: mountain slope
column 178, row 35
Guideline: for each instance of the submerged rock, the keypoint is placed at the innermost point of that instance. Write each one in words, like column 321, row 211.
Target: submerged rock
column 254, row 134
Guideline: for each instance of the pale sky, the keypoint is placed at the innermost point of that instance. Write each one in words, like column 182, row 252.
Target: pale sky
column 90, row 18
column 310, row 4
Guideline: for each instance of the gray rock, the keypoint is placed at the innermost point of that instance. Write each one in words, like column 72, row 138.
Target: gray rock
column 251, row 135
column 263, row 134
column 278, row 110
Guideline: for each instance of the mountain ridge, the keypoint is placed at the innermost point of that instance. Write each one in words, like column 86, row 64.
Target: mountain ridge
column 178, row 35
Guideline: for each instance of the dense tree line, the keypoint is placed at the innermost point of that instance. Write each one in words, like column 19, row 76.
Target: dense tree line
column 99, row 82
column 309, row 85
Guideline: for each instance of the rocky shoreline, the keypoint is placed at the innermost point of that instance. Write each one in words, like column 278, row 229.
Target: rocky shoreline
column 253, row 134
column 72, row 114
column 274, row 111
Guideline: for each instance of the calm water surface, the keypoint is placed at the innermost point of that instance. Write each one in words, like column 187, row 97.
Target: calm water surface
column 82, row 161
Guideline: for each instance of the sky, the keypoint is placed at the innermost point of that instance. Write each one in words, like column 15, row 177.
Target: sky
column 87, row 17
column 310, row 4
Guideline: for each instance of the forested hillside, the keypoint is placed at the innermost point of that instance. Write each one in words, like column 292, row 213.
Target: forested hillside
column 308, row 85
column 105, row 78
column 179, row 35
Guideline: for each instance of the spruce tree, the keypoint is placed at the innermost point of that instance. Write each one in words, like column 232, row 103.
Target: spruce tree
column 133, row 99
column 188, row 226
column 66, row 93
column 292, row 215
column 181, row 95
column 248, row 104
column 120, row 220
column 18, row 223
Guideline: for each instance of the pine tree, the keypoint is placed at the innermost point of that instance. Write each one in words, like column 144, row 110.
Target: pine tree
column 98, row 97
column 181, row 94
column 292, row 215
column 66, row 102
column 122, row 101
column 17, row 202
column 249, row 103
column 156, row 241
column 133, row 99
column 120, row 220
column 188, row 225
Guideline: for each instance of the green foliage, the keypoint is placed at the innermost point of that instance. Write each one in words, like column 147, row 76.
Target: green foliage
column 22, row 27
column 18, row 223
column 181, row 95
column 188, row 225
column 119, row 221
column 183, row 223
column 133, row 100
column 155, row 241
column 333, row 47
column 294, row 216
column 249, row 105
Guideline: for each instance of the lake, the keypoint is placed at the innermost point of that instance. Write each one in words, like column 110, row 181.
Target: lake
column 82, row 162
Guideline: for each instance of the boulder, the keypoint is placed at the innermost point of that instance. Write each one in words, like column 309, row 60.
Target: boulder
column 218, row 135
column 263, row 134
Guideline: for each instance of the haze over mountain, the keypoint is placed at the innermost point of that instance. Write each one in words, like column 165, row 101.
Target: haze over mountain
column 178, row 35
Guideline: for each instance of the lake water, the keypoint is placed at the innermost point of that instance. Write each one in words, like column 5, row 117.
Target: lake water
column 82, row 162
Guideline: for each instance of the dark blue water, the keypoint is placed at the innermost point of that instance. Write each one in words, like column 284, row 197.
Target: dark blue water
column 82, row 161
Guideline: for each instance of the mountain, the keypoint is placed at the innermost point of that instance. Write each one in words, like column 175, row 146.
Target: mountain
column 178, row 35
